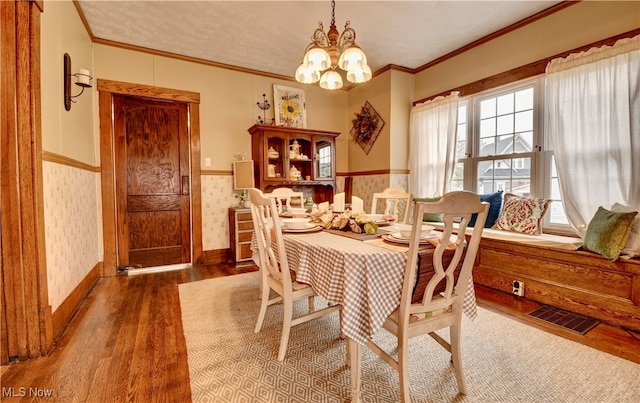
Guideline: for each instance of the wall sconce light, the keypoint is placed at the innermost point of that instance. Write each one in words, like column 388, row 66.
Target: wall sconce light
column 83, row 79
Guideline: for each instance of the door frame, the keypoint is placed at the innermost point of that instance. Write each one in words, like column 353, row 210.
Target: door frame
column 106, row 90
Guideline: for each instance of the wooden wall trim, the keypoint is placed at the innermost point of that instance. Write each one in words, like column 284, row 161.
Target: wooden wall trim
column 217, row 256
column 83, row 19
column 218, row 172
column 190, row 59
column 375, row 172
column 46, row 331
column 372, row 172
column 25, row 315
column 527, row 71
column 196, row 187
column 107, row 185
column 9, row 180
column 63, row 314
column 147, row 91
column 62, row 160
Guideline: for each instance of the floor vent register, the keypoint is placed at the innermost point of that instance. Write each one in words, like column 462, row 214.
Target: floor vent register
column 565, row 319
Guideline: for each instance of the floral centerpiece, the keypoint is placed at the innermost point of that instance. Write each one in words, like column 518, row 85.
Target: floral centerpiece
column 346, row 221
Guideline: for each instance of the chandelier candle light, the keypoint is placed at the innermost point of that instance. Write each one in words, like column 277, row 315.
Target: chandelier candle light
column 328, row 51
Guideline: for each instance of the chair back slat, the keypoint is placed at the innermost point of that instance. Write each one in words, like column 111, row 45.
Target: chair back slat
column 457, row 209
column 397, row 202
column 268, row 232
column 288, row 197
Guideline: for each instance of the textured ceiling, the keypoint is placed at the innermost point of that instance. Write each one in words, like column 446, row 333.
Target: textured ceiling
column 270, row 36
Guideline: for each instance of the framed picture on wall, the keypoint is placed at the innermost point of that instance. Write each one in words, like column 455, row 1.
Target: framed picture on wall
column 290, row 107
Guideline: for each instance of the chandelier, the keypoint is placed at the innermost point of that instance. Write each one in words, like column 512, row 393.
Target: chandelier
column 328, row 51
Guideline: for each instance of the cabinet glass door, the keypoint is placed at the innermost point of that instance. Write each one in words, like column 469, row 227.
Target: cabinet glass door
column 276, row 151
column 324, row 159
column 300, row 158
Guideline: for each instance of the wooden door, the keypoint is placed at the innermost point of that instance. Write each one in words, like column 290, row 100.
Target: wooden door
column 152, row 182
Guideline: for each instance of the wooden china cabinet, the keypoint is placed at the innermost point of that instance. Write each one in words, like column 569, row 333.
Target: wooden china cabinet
column 275, row 164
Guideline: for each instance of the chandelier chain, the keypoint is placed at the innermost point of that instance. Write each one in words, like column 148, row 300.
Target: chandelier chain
column 333, row 12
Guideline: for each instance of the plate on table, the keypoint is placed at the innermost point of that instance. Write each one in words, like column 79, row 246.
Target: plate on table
column 397, row 238
column 287, row 214
column 310, row 227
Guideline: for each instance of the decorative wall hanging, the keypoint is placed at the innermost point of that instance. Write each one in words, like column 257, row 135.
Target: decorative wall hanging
column 366, row 126
column 290, row 109
column 264, row 105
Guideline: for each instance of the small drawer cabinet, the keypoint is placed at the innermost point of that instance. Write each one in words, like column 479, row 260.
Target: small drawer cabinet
column 240, row 232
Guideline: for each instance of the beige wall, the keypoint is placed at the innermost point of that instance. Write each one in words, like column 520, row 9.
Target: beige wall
column 72, row 218
column 67, row 133
column 377, row 92
column 227, row 99
column 578, row 25
column 401, row 102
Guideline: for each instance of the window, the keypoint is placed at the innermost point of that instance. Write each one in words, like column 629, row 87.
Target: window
column 501, row 145
column 556, row 211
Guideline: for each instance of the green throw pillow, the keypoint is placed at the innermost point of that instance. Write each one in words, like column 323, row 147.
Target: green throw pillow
column 608, row 232
column 429, row 216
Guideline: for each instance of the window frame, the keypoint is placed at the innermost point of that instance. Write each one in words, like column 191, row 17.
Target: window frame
column 541, row 154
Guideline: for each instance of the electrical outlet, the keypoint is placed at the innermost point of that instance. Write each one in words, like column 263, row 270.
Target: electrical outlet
column 518, row 288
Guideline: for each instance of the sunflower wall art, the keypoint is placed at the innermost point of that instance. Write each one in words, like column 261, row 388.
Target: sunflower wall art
column 290, row 109
column 366, row 127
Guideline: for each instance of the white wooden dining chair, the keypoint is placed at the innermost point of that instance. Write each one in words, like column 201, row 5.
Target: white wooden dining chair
column 275, row 273
column 397, row 202
column 442, row 307
column 288, row 197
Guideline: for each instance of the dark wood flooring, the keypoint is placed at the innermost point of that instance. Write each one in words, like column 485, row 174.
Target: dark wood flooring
column 126, row 344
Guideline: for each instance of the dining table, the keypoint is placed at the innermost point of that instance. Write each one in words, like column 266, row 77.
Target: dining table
column 361, row 272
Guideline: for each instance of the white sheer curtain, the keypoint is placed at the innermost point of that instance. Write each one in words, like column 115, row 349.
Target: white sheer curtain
column 593, row 103
column 432, row 153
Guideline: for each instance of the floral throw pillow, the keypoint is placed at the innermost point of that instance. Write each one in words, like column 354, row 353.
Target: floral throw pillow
column 522, row 214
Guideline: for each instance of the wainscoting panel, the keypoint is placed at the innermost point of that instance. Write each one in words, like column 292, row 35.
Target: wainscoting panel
column 364, row 186
column 72, row 227
column 217, row 197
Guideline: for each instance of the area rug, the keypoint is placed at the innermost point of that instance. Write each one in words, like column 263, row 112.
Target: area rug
column 504, row 360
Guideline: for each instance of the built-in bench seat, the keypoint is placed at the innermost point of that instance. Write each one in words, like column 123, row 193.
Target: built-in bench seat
column 555, row 272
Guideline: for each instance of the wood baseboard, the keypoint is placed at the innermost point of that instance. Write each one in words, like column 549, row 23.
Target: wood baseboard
column 216, row 256
column 66, row 310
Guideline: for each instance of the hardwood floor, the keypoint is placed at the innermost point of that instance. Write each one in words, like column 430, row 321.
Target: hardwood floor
column 126, row 343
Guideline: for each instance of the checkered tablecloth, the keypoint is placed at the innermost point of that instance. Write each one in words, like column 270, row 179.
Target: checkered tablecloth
column 366, row 279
